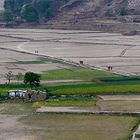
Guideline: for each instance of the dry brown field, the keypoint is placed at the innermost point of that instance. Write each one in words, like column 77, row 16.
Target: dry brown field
column 97, row 49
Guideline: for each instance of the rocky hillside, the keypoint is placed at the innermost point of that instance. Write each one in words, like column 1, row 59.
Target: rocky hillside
column 103, row 8
column 98, row 14
column 108, row 15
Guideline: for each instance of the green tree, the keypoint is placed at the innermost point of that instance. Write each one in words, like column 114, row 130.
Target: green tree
column 9, row 5
column 43, row 8
column 42, row 5
column 8, row 16
column 32, row 78
column 18, row 6
column 29, row 13
column 28, row 10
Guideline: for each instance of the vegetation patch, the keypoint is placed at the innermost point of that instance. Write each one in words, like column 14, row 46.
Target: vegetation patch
column 75, row 73
column 38, row 104
column 28, row 62
column 121, row 79
column 137, row 136
column 100, row 89
column 80, row 101
column 5, row 88
column 71, row 101
column 16, row 107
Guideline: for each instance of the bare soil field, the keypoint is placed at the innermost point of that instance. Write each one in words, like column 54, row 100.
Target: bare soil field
column 12, row 129
column 12, row 58
column 26, row 125
column 97, row 49
column 20, row 63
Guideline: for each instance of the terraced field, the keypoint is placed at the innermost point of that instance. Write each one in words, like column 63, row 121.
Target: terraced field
column 96, row 49
column 24, row 50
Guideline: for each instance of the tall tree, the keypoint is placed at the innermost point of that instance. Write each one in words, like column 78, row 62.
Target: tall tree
column 32, row 78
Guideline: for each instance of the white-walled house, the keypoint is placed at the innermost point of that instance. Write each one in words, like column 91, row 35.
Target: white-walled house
column 16, row 93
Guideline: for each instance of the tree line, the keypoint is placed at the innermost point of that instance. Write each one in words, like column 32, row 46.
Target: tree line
column 27, row 10
column 29, row 78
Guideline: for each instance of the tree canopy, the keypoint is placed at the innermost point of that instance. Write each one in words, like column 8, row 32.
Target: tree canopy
column 29, row 13
column 8, row 16
column 32, row 78
column 27, row 10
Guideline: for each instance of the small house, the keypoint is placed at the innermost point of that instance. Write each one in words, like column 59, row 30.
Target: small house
column 16, row 93
column 28, row 95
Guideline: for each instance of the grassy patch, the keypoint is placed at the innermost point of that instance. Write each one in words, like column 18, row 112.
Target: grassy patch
column 120, row 79
column 100, row 89
column 16, row 107
column 28, row 62
column 5, row 88
column 71, row 101
column 38, row 104
column 81, row 74
column 80, row 101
